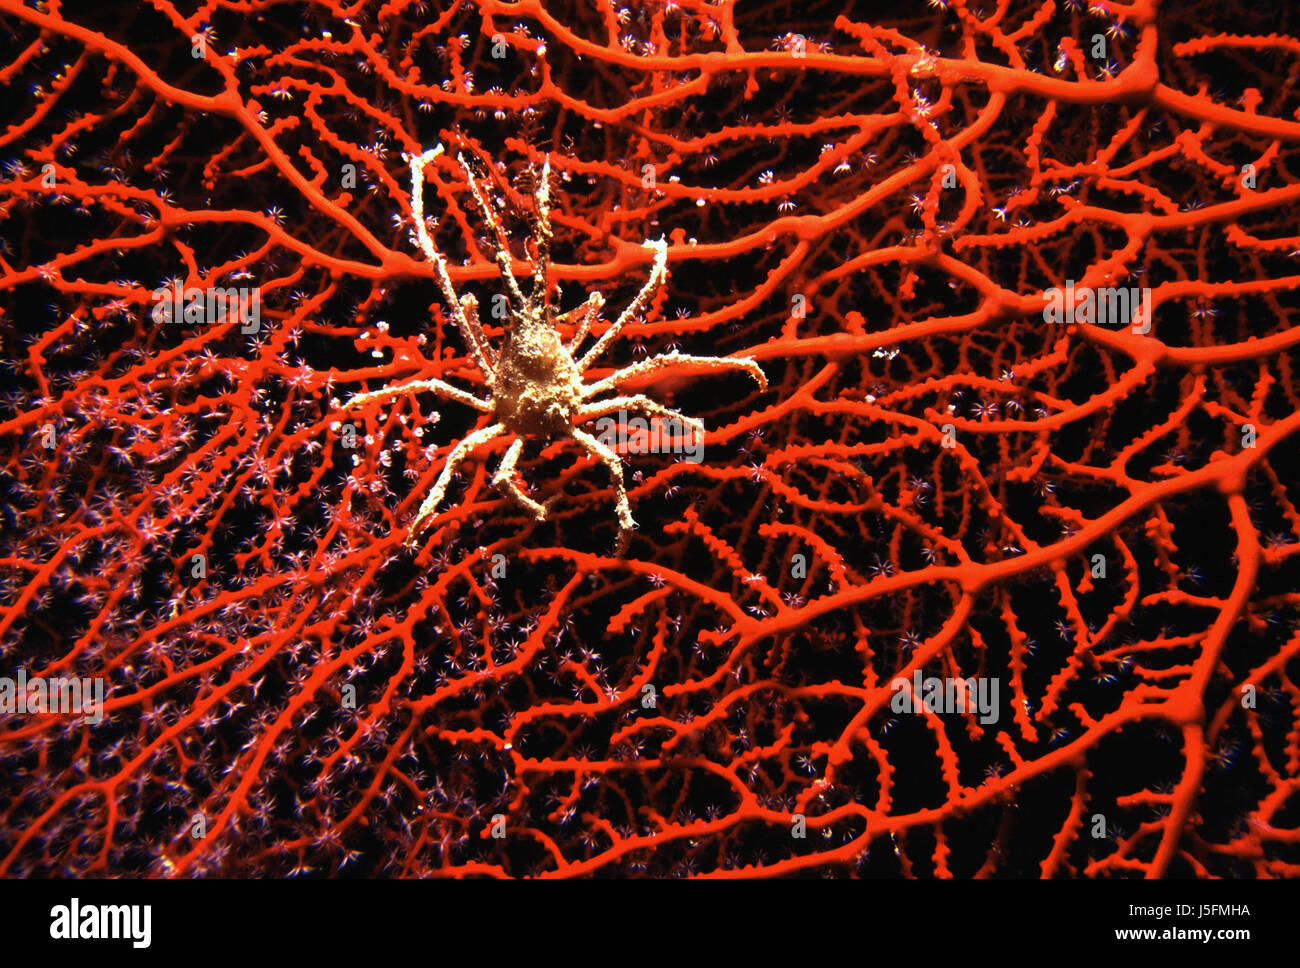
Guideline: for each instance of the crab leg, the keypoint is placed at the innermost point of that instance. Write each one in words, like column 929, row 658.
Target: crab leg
column 473, row 332
column 458, row 454
column 436, row 386
column 505, row 477
column 610, row 460
column 658, row 273
column 675, row 359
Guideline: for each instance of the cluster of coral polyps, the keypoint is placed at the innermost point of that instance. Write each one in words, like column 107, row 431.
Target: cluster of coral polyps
column 967, row 590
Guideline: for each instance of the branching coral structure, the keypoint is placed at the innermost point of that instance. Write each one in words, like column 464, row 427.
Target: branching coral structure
column 987, row 566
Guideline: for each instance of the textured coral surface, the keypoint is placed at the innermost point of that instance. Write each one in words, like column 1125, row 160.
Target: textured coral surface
column 872, row 201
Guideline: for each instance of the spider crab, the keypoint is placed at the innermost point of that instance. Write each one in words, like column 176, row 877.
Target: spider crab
column 535, row 379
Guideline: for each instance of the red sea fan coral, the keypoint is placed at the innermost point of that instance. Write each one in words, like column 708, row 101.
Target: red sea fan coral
column 1022, row 278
